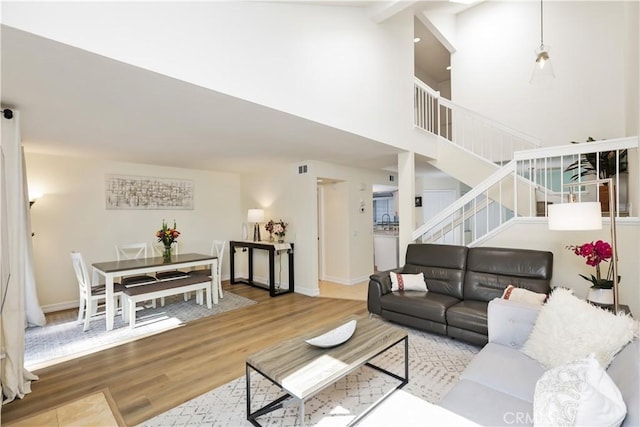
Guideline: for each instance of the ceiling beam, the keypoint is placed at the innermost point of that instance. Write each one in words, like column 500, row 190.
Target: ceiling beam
column 385, row 10
column 434, row 23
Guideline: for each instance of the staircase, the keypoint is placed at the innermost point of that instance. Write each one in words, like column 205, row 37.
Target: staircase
column 511, row 175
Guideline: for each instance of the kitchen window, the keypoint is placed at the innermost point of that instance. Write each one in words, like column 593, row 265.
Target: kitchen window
column 383, row 210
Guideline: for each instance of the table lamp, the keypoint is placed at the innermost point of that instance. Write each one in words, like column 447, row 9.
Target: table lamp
column 576, row 216
column 255, row 216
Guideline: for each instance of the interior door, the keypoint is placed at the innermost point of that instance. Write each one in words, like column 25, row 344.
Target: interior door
column 320, row 205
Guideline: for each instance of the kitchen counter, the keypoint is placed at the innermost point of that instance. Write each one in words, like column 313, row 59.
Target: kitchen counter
column 392, row 233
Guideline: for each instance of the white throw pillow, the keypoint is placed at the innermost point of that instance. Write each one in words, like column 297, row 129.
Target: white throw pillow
column 569, row 328
column 579, row 393
column 407, row 282
column 526, row 296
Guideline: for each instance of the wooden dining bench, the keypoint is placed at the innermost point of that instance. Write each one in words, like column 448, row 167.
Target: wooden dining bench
column 164, row 288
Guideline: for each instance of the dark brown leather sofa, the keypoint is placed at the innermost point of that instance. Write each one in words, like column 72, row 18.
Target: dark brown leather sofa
column 460, row 281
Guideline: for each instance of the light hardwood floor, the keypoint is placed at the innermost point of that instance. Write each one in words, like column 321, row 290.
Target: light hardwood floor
column 334, row 290
column 97, row 409
column 151, row 375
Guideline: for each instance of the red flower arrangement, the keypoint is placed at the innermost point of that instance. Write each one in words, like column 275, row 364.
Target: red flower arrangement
column 595, row 253
column 167, row 235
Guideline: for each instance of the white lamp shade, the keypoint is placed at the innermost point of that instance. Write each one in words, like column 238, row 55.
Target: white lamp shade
column 575, row 216
column 255, row 215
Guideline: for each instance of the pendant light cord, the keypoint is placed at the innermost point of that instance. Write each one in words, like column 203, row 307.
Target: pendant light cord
column 541, row 25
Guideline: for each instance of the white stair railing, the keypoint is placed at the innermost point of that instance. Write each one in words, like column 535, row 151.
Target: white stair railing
column 550, row 168
column 526, row 186
column 478, row 134
column 473, row 215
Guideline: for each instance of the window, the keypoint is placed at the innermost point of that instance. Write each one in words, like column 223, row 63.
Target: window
column 383, row 206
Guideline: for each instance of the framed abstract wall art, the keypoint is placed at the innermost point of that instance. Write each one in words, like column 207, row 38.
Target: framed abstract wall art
column 140, row 192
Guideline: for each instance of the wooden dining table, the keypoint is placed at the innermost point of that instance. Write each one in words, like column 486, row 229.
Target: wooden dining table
column 112, row 269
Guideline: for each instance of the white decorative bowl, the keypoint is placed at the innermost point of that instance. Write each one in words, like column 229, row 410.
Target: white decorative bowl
column 335, row 336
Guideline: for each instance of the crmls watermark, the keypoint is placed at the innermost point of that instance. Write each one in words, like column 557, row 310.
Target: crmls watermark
column 517, row 418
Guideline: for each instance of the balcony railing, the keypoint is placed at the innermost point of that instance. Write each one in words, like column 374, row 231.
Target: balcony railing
column 478, row 134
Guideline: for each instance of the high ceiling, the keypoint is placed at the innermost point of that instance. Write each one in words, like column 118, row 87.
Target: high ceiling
column 76, row 103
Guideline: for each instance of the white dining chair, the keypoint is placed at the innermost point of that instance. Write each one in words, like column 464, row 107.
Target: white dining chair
column 217, row 250
column 158, row 250
column 90, row 295
column 135, row 251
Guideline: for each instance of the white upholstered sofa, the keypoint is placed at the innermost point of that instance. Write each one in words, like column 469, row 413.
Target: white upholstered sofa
column 498, row 386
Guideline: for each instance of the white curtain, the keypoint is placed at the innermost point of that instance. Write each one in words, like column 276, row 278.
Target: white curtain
column 34, row 315
column 16, row 268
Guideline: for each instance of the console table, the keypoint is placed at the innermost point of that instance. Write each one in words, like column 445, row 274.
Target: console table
column 271, row 248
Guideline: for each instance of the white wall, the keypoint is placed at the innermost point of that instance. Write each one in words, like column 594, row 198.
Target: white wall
column 360, row 230
column 71, row 216
column 443, row 25
column 632, row 98
column 566, row 265
column 284, row 193
column 432, row 182
column 347, row 232
column 494, row 60
column 632, row 60
column 330, row 64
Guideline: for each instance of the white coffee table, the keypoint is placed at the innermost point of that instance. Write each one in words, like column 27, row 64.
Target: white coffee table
column 302, row 370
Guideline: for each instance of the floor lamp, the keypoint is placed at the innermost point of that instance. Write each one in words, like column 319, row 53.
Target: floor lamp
column 575, row 216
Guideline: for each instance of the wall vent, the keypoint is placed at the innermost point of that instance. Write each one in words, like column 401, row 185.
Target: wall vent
column 302, row 169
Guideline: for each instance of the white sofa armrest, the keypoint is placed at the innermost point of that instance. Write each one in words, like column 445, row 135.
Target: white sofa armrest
column 509, row 322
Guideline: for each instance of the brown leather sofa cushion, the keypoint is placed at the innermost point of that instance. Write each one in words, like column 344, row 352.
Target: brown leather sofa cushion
column 491, row 270
column 443, row 266
column 469, row 315
column 423, row 305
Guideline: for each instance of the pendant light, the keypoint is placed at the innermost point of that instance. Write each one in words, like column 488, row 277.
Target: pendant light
column 542, row 69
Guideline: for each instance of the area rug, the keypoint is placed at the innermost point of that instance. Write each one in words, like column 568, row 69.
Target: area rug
column 435, row 363
column 57, row 342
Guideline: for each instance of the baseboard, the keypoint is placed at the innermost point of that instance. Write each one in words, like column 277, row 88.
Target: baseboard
column 360, row 279
column 50, row 308
column 310, row 292
column 347, row 282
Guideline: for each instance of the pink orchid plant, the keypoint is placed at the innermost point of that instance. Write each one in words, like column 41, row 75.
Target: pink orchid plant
column 595, row 253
